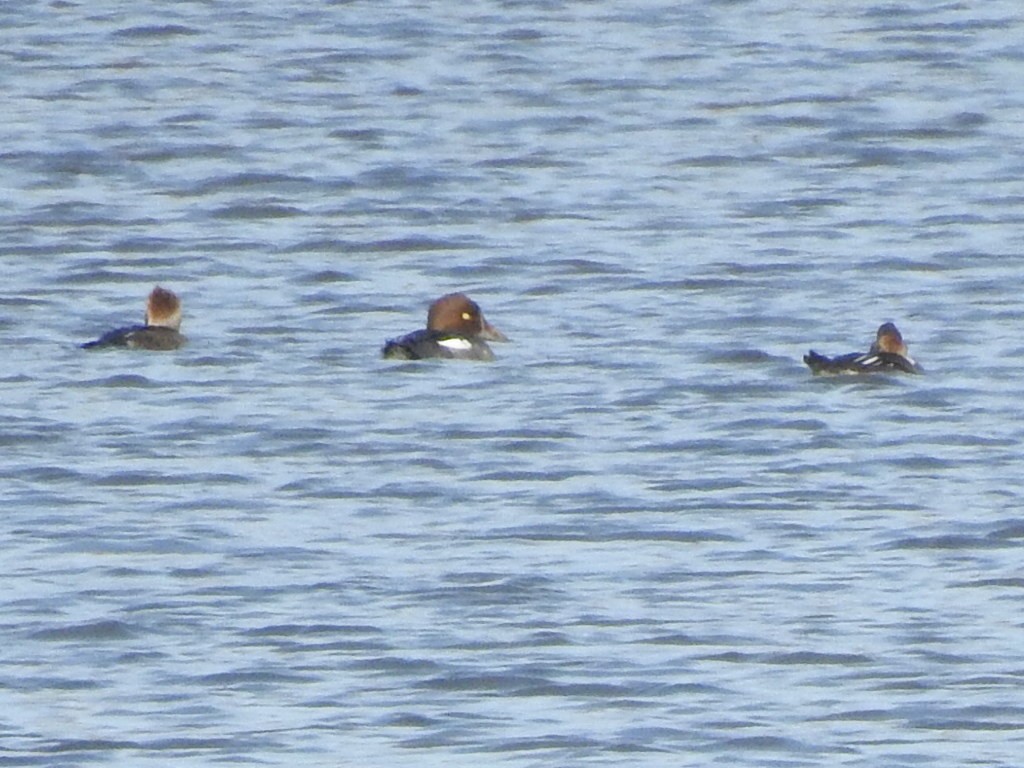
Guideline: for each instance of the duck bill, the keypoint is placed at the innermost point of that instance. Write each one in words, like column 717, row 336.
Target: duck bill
column 490, row 333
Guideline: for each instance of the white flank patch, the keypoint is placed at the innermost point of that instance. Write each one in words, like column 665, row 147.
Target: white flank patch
column 456, row 345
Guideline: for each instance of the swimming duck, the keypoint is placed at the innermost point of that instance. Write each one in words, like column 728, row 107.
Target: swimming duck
column 456, row 329
column 887, row 353
column 160, row 332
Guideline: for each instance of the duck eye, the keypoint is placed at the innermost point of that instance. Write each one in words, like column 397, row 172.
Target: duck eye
column 466, row 316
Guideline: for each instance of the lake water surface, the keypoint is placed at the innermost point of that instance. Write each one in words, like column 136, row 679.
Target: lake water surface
column 646, row 535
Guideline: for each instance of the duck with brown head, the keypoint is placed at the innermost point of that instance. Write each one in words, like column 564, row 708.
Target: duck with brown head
column 888, row 353
column 160, row 331
column 456, row 329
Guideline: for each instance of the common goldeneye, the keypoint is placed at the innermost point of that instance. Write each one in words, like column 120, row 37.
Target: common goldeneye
column 888, row 353
column 456, row 329
column 160, row 332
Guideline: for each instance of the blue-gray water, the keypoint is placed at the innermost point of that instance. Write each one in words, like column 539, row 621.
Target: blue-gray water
column 645, row 536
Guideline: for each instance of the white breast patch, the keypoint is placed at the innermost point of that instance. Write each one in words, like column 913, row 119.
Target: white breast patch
column 456, row 345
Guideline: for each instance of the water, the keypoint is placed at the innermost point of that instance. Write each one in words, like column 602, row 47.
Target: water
column 645, row 535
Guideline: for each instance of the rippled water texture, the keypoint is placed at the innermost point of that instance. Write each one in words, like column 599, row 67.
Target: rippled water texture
column 646, row 535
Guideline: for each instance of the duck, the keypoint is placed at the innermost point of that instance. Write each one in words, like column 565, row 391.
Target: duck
column 887, row 354
column 456, row 330
column 160, row 331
